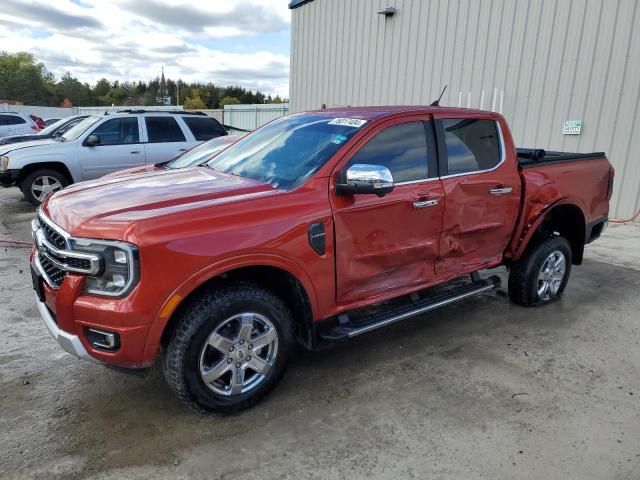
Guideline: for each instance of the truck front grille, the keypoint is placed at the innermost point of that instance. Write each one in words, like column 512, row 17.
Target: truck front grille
column 53, row 273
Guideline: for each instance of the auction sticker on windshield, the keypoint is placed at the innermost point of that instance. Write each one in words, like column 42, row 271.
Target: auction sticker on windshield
column 348, row 122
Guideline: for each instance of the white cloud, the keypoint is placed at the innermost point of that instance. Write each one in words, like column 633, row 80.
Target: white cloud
column 132, row 39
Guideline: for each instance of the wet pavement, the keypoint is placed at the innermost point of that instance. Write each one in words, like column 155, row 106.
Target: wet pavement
column 478, row 389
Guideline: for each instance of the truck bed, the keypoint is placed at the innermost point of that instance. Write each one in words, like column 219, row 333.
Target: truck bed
column 528, row 157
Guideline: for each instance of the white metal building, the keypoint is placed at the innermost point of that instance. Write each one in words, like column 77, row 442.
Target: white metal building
column 566, row 74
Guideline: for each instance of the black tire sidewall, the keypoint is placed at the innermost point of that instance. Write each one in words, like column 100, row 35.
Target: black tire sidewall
column 25, row 185
column 206, row 321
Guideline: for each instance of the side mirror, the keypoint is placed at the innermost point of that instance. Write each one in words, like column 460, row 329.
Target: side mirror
column 363, row 178
column 93, row 140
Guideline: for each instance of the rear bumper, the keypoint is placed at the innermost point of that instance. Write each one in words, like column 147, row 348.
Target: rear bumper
column 68, row 342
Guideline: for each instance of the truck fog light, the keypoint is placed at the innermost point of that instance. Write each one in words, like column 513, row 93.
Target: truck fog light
column 102, row 340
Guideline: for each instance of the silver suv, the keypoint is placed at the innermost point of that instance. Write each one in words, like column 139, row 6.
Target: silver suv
column 100, row 145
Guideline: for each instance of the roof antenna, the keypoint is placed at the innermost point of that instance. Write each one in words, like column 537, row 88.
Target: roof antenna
column 437, row 102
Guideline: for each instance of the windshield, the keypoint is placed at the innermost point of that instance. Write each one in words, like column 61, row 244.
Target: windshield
column 80, row 128
column 199, row 154
column 287, row 151
column 50, row 129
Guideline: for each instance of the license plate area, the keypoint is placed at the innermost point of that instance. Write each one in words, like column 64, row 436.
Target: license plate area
column 38, row 283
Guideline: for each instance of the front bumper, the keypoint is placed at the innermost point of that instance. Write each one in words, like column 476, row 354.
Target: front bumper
column 69, row 343
column 9, row 178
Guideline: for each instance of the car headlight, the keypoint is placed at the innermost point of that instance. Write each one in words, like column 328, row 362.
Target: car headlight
column 120, row 267
column 4, row 162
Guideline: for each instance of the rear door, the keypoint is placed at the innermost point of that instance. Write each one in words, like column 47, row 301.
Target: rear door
column 482, row 194
column 166, row 138
column 119, row 148
column 386, row 246
column 6, row 126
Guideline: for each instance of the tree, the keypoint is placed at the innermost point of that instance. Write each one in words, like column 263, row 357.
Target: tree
column 24, row 80
column 194, row 101
column 229, row 101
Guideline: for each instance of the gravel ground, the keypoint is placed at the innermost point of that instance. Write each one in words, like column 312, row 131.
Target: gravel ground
column 479, row 389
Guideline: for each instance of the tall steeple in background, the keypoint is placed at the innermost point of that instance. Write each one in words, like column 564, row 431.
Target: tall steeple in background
column 163, row 93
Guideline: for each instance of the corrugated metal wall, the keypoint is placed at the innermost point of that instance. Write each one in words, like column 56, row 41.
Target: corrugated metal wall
column 554, row 60
column 250, row 117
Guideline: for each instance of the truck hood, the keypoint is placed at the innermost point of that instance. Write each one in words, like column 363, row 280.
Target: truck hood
column 45, row 142
column 110, row 206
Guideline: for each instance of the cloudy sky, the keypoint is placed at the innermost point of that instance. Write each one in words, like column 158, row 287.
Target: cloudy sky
column 228, row 42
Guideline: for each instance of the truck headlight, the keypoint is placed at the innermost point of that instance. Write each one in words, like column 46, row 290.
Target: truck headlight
column 120, row 269
column 4, row 162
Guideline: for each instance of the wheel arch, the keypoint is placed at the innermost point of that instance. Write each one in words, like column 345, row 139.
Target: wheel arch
column 53, row 165
column 565, row 218
column 282, row 276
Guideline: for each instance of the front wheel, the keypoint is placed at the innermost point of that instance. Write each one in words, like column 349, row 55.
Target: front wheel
column 541, row 275
column 231, row 346
column 39, row 184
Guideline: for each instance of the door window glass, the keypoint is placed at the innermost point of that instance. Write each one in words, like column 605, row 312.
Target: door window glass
column 163, row 129
column 401, row 148
column 472, row 144
column 204, row 128
column 118, row 131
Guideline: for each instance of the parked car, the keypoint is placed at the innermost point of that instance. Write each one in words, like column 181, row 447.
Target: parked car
column 315, row 228
column 12, row 123
column 50, row 121
column 195, row 156
column 39, row 122
column 99, row 145
column 54, row 130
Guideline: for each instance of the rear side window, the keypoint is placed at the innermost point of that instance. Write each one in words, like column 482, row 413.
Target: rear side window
column 118, row 131
column 472, row 145
column 163, row 129
column 401, row 148
column 204, row 128
column 11, row 120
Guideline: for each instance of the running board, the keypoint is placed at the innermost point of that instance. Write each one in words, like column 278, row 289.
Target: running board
column 353, row 329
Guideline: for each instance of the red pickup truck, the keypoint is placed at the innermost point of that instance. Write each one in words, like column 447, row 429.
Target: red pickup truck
column 317, row 227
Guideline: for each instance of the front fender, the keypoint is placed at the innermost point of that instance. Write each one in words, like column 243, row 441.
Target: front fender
column 173, row 301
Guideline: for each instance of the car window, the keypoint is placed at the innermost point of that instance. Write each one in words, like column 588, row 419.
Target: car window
column 204, row 128
column 401, row 148
column 118, row 131
column 56, row 125
column 472, row 145
column 80, row 128
column 199, row 154
column 13, row 120
column 3, row 120
column 163, row 129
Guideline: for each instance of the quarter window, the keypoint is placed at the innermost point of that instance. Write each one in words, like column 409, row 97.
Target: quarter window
column 401, row 148
column 204, row 128
column 118, row 131
column 472, row 145
column 163, row 129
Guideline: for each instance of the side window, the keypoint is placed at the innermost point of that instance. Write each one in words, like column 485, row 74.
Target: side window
column 472, row 144
column 401, row 148
column 14, row 120
column 3, row 120
column 163, row 129
column 204, row 128
column 118, row 131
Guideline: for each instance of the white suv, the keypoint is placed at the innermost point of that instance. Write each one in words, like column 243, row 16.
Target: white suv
column 100, row 145
column 12, row 123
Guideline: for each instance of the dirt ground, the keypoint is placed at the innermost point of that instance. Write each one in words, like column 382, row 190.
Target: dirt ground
column 479, row 389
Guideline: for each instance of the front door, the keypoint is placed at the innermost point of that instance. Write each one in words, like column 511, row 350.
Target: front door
column 119, row 148
column 482, row 195
column 388, row 246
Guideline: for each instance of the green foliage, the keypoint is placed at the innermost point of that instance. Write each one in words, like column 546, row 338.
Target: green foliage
column 24, row 79
column 229, row 101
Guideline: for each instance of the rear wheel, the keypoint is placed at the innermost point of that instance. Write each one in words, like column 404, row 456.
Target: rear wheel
column 230, row 348
column 541, row 275
column 39, row 184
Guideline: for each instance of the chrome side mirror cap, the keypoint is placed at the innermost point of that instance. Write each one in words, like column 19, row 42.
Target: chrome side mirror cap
column 362, row 178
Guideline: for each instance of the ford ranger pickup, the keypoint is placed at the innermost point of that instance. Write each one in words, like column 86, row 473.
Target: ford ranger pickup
column 315, row 228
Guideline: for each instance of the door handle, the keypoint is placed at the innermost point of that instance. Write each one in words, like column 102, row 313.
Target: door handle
column 426, row 203
column 182, row 149
column 500, row 190
column 134, row 151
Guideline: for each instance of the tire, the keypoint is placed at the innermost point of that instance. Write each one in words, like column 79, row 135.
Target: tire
column 191, row 362
column 38, row 184
column 527, row 279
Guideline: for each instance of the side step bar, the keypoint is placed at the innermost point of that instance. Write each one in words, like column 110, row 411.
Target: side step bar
column 352, row 329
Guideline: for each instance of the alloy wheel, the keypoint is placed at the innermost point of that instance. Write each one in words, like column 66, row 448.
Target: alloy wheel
column 551, row 275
